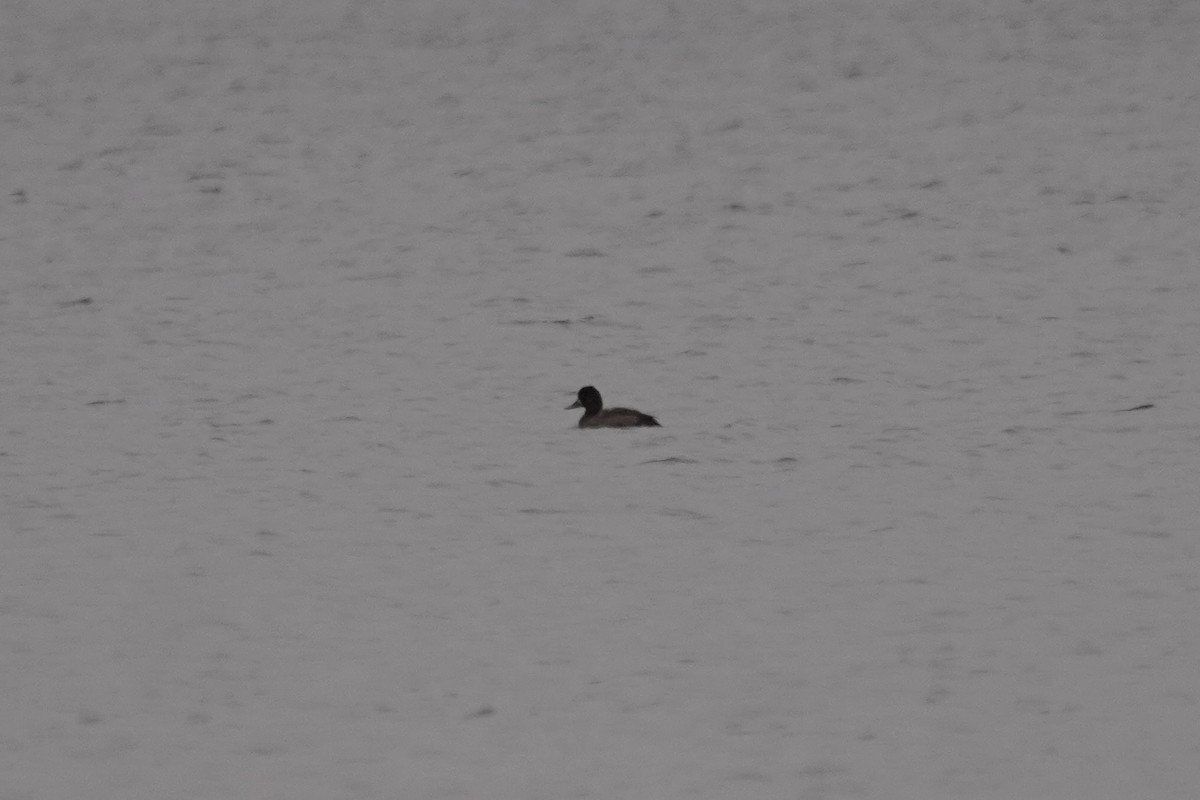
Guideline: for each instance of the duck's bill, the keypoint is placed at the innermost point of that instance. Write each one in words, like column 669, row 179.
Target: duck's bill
column 576, row 404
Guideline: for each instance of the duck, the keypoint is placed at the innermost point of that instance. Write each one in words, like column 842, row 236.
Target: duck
column 595, row 415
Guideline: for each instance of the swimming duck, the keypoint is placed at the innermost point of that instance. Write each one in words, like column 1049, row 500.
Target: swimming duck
column 596, row 416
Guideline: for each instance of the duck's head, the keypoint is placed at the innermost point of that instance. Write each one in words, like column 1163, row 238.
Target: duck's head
column 589, row 398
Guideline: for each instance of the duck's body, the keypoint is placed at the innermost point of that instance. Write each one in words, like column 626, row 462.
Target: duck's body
column 595, row 415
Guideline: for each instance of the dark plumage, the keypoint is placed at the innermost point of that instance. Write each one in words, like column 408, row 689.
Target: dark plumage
column 595, row 415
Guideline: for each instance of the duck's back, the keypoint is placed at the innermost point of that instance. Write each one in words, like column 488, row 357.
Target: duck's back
column 619, row 418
